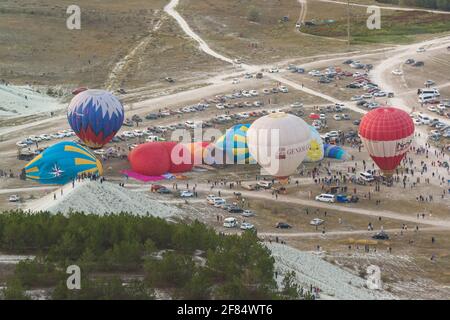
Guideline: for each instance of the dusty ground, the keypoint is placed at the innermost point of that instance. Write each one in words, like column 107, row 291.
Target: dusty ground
column 228, row 26
column 109, row 34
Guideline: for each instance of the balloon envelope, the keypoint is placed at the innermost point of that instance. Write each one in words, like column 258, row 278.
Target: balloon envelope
column 180, row 157
column 279, row 143
column 95, row 116
column 158, row 158
column 335, row 152
column 61, row 163
column 316, row 150
column 387, row 134
column 235, row 144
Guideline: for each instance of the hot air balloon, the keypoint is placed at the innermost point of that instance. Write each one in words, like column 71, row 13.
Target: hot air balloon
column 95, row 116
column 235, row 145
column 158, row 158
column 180, row 157
column 335, row 152
column 279, row 143
column 316, row 150
column 387, row 134
column 61, row 163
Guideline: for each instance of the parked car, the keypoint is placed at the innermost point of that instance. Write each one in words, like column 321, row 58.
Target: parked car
column 247, row 226
column 248, row 213
column 265, row 184
column 366, row 176
column 296, row 105
column 284, row 89
column 230, row 222
column 381, row 236
column 186, row 194
column 283, row 225
column 325, row 197
column 235, row 209
column 164, row 191
column 151, row 116
column 316, row 222
column 274, row 70
column 14, row 198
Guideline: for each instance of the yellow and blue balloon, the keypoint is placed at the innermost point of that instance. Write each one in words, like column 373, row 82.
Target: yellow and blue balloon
column 235, row 144
column 62, row 163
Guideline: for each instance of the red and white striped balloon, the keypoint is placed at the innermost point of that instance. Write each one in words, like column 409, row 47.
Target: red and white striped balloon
column 387, row 134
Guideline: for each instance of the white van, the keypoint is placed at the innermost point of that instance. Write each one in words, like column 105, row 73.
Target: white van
column 325, row 197
column 230, row 222
column 433, row 91
column 426, row 98
column 365, row 176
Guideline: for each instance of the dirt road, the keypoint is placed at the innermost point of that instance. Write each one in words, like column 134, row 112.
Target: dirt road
column 412, row 218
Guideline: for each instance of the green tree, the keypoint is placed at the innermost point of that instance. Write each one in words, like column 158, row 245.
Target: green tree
column 290, row 289
column 14, row 290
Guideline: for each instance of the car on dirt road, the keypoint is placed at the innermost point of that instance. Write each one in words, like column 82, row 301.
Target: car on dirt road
column 14, row 198
column 230, row 222
column 247, row 226
column 297, row 105
column 316, row 222
column 325, row 197
column 283, row 225
column 186, row 194
column 248, row 213
column 284, row 89
column 274, row 70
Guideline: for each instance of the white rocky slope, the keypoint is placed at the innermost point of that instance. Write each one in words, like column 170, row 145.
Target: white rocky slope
column 333, row 281
column 18, row 101
column 99, row 198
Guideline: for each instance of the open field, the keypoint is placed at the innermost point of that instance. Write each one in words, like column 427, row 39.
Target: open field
column 109, row 33
column 231, row 30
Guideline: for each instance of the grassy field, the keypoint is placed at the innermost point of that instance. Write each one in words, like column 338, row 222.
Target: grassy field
column 396, row 27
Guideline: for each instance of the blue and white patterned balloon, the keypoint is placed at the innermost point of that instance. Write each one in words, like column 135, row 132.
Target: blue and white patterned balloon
column 95, row 116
